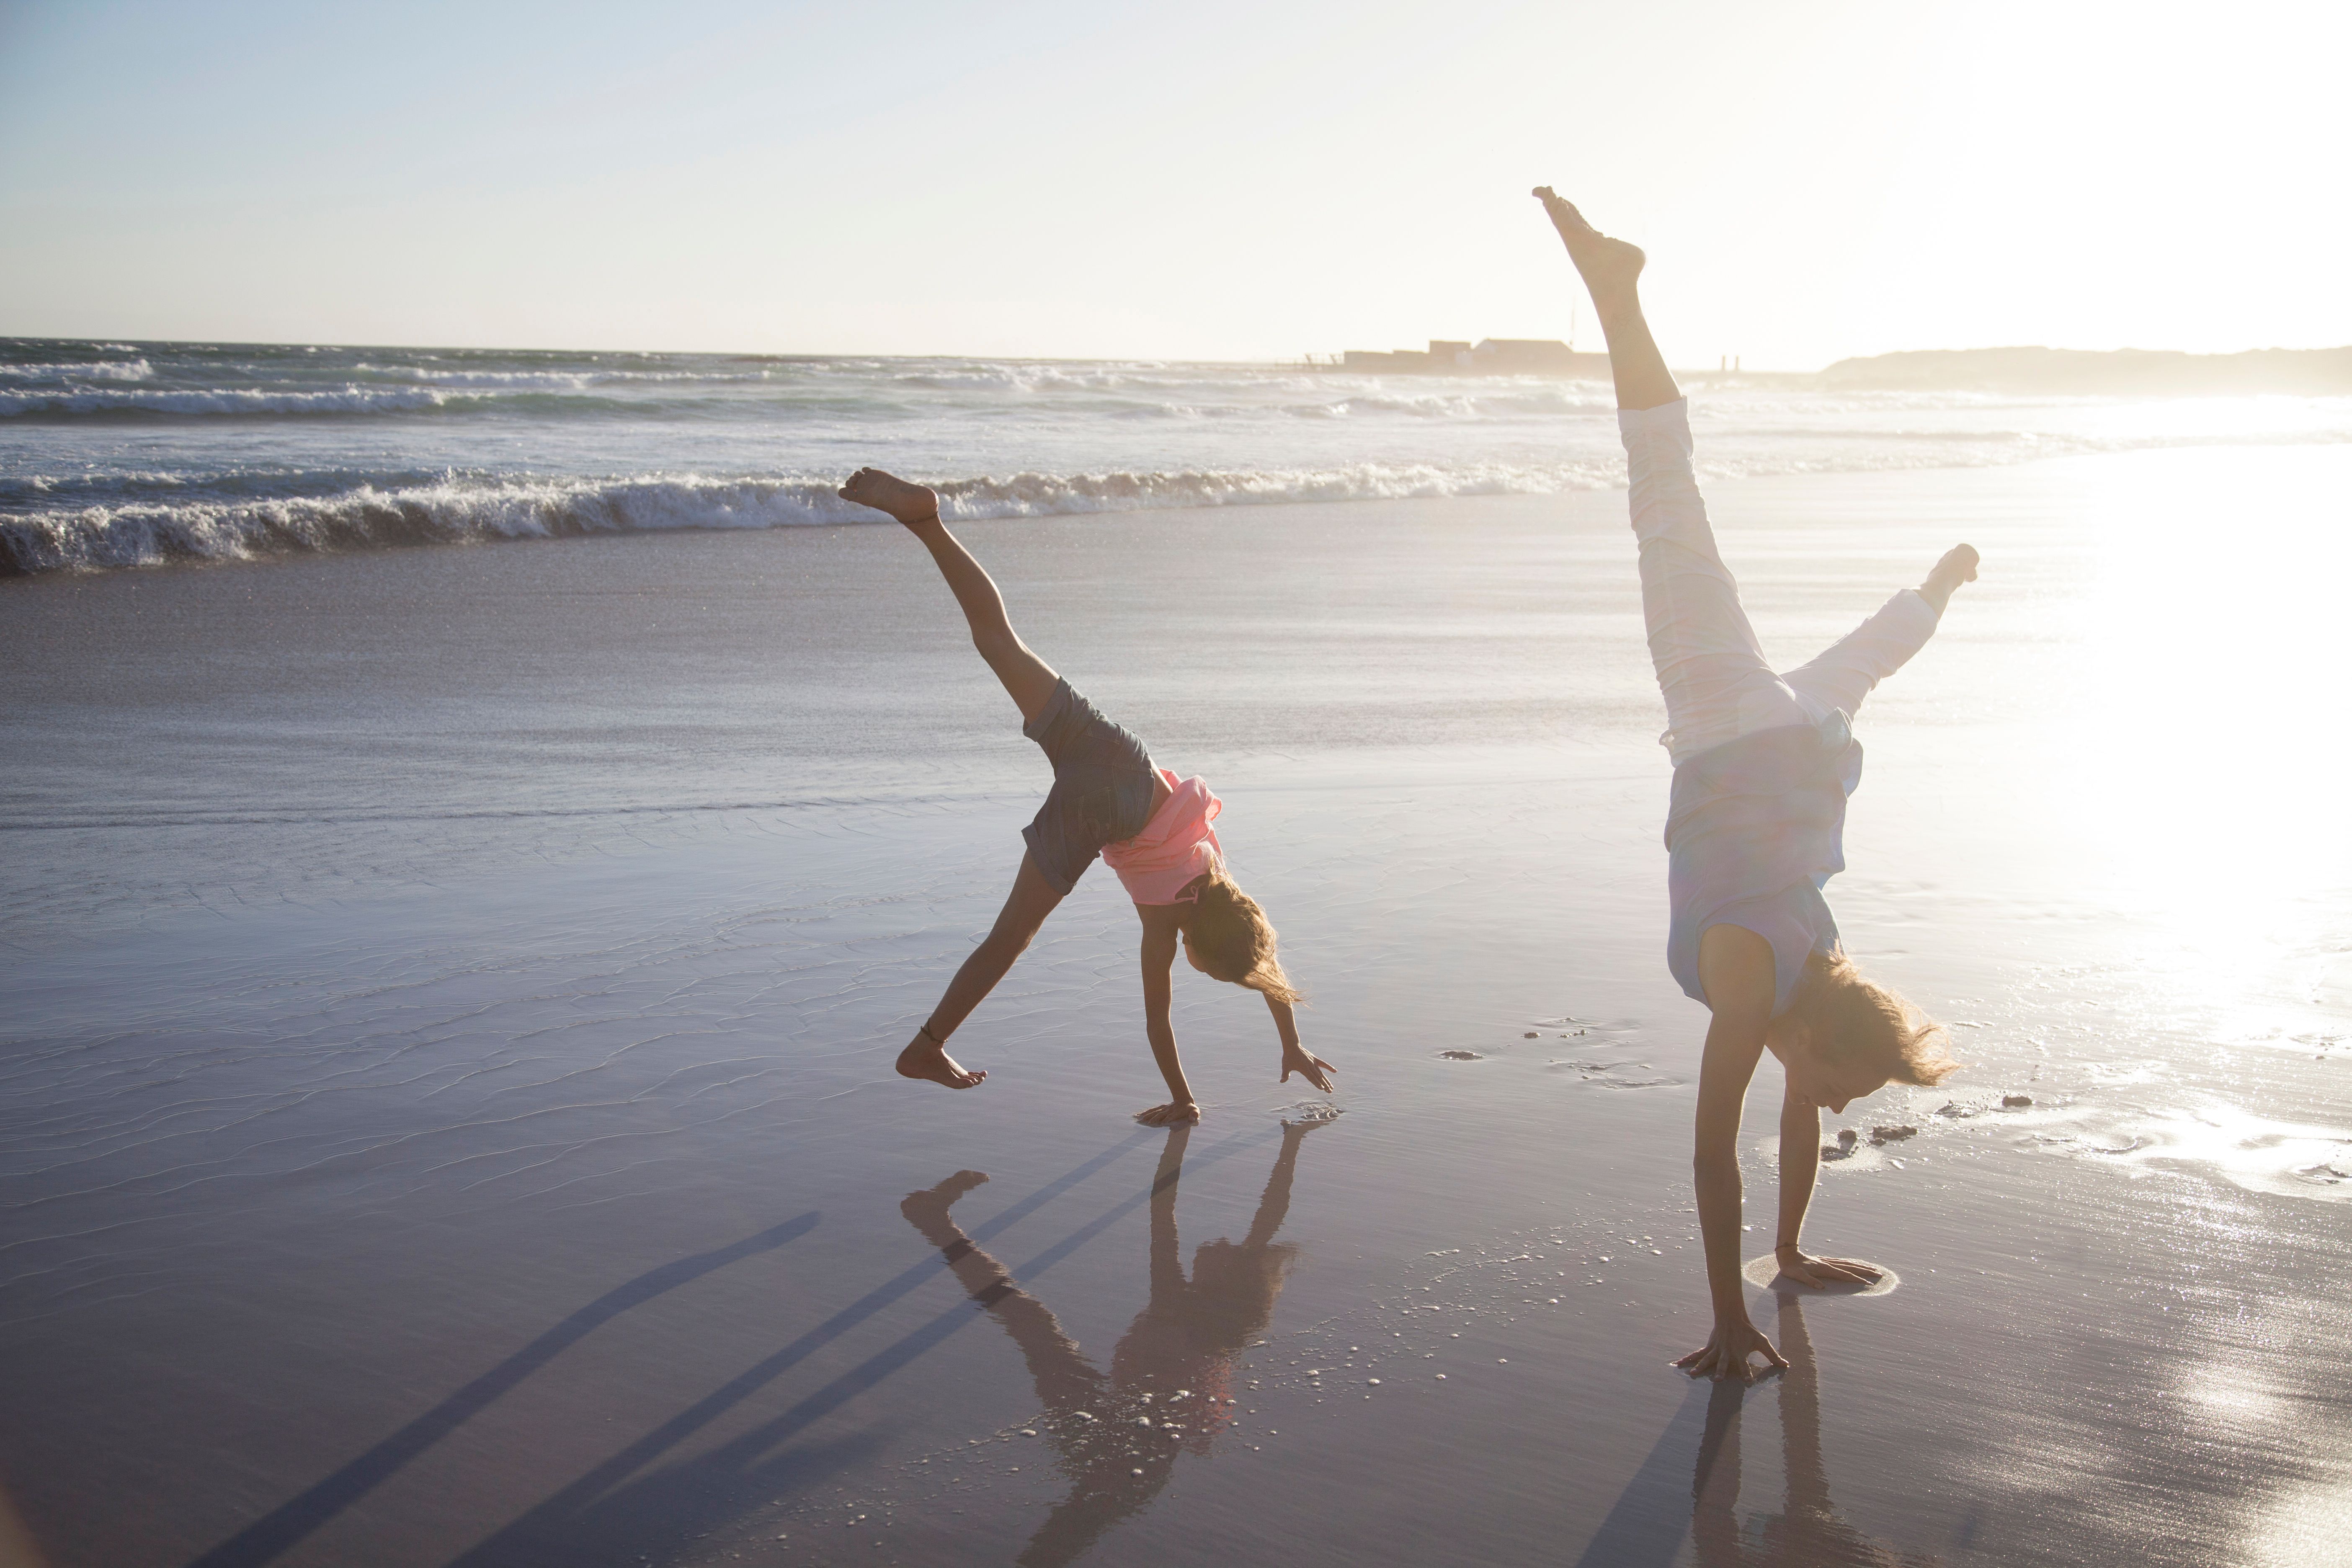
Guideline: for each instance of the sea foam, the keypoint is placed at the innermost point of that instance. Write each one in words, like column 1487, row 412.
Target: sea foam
column 456, row 512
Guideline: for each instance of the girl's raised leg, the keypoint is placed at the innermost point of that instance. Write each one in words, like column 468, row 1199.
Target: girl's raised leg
column 1027, row 679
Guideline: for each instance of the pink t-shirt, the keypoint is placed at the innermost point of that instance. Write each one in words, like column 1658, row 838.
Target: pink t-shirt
column 1176, row 846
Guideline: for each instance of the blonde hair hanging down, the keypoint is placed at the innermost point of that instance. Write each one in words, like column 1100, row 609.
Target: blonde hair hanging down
column 1860, row 1021
column 1233, row 939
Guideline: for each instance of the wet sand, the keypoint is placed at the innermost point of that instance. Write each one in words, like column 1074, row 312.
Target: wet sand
column 451, row 995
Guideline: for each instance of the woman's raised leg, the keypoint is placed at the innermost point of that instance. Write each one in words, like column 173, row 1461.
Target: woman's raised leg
column 1027, row 679
column 1611, row 270
column 1712, row 670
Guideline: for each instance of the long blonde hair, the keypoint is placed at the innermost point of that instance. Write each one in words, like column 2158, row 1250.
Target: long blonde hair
column 1233, row 939
column 1859, row 1021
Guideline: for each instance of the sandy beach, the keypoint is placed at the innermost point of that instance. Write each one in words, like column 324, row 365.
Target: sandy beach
column 450, row 997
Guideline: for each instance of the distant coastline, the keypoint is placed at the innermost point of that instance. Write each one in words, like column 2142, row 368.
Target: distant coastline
column 2118, row 371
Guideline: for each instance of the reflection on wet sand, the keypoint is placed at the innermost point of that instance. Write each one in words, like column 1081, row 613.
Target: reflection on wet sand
column 1170, row 1379
column 1807, row 1532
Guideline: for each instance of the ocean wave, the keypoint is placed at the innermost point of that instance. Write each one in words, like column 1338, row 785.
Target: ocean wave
column 547, row 380
column 84, row 400
column 345, row 402
column 156, row 534
column 66, row 374
column 555, row 380
column 1032, row 378
column 1516, row 403
column 457, row 511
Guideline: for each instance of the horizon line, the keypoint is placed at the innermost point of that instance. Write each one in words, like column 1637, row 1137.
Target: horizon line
column 1305, row 360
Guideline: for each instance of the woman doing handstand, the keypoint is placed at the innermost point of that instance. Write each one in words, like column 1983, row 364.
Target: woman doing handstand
column 1763, row 764
column 1108, row 799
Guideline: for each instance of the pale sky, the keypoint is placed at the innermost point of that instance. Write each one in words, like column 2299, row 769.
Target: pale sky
column 1209, row 180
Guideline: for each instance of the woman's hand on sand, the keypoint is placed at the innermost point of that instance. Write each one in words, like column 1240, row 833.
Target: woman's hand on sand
column 1175, row 1114
column 1307, row 1065
column 1725, row 1355
column 1822, row 1273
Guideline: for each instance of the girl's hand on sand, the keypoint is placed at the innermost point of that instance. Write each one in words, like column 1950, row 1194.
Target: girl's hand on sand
column 1823, row 1272
column 1725, row 1353
column 1175, row 1114
column 1307, row 1065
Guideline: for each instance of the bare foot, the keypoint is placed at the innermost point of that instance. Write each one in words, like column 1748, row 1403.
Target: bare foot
column 1957, row 566
column 1608, row 267
column 925, row 1059
column 909, row 504
column 1307, row 1065
column 1175, row 1114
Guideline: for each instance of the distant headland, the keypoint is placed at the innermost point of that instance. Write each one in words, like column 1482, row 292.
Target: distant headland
column 2306, row 372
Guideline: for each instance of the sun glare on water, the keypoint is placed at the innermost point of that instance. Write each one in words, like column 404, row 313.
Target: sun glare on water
column 2204, row 773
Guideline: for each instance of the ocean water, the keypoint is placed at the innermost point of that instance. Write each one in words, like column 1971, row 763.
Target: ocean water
column 118, row 454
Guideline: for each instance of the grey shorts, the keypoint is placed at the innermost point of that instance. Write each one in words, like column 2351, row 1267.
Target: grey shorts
column 1102, row 787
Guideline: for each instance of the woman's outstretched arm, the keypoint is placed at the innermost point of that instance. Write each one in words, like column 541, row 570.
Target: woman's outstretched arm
column 1735, row 967
column 1027, row 679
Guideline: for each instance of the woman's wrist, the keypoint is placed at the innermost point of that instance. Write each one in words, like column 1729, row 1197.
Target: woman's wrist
column 1779, row 1246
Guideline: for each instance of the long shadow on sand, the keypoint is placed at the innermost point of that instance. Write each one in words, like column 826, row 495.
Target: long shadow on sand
column 606, row 1517
column 1645, row 1528
column 299, row 1517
